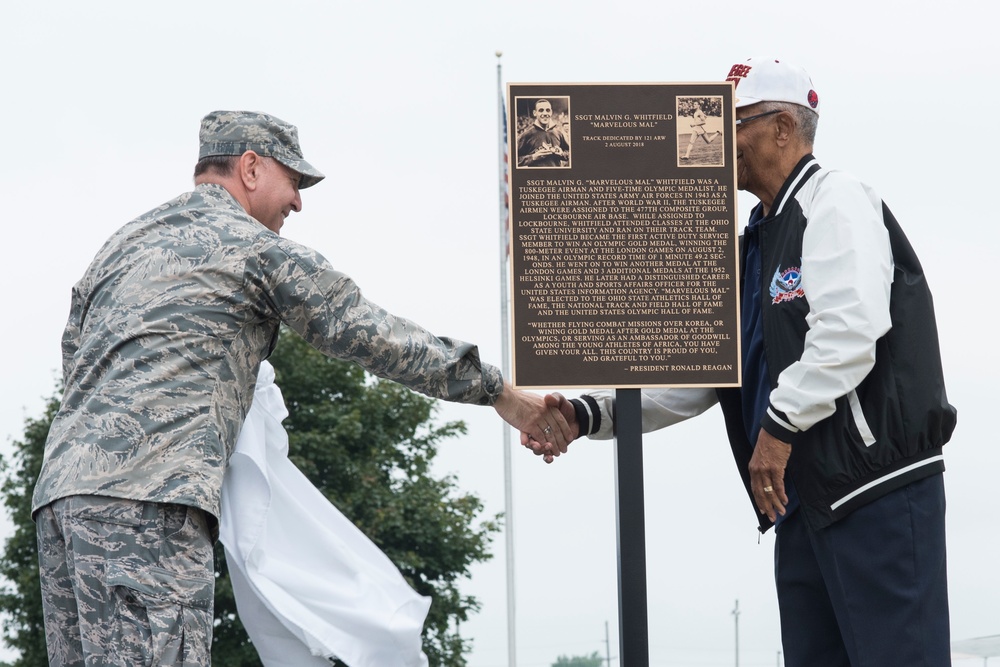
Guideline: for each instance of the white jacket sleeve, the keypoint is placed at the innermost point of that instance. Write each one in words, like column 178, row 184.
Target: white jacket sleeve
column 847, row 276
column 660, row 407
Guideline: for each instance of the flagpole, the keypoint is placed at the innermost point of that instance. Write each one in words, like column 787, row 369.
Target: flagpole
column 505, row 357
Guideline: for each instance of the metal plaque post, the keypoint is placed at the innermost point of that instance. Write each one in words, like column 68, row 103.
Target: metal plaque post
column 633, row 628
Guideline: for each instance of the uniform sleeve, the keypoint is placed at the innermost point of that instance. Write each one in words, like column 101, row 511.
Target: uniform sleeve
column 847, row 276
column 563, row 141
column 660, row 408
column 524, row 147
column 328, row 310
column 71, row 334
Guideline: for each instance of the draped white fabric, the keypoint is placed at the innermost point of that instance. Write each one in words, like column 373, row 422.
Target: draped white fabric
column 309, row 585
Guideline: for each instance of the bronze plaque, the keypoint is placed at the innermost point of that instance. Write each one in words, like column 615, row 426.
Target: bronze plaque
column 624, row 235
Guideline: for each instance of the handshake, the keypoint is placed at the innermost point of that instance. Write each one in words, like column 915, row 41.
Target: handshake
column 547, row 424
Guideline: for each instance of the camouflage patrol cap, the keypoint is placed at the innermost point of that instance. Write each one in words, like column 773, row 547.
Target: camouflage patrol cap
column 235, row 132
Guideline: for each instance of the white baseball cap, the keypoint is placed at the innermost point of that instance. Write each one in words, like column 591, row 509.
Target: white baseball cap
column 772, row 80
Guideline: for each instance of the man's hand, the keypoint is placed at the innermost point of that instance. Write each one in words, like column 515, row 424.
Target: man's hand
column 557, row 400
column 542, row 152
column 767, row 474
column 536, row 420
column 565, row 408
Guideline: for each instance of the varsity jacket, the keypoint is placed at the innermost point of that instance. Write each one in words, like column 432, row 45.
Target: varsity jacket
column 852, row 351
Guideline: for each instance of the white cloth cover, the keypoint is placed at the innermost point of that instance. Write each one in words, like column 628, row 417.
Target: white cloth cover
column 309, row 585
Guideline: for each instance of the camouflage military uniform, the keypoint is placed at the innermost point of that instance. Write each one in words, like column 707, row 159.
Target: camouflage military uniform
column 147, row 566
column 168, row 327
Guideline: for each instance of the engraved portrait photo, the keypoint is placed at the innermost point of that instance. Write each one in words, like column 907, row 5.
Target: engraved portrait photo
column 543, row 132
column 700, row 131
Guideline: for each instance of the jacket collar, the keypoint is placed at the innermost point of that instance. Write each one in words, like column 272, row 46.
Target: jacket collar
column 806, row 167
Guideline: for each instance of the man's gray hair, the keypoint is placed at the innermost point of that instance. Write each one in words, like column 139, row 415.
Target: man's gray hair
column 806, row 119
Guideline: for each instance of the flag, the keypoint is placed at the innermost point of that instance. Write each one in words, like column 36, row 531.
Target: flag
column 504, row 179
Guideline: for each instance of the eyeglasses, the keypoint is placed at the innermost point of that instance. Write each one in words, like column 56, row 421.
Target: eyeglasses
column 740, row 121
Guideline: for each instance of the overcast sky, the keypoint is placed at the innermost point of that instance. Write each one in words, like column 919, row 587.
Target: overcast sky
column 397, row 104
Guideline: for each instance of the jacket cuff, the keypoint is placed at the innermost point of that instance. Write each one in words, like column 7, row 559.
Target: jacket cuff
column 588, row 414
column 777, row 424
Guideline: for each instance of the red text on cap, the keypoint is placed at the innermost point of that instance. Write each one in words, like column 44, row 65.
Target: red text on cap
column 738, row 73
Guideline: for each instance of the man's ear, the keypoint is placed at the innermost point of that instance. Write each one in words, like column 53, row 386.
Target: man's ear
column 249, row 166
column 784, row 127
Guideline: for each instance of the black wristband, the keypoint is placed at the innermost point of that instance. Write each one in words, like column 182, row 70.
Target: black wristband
column 588, row 414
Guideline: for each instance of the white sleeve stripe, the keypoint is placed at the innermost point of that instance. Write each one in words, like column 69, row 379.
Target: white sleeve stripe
column 592, row 412
column 781, row 421
column 880, row 480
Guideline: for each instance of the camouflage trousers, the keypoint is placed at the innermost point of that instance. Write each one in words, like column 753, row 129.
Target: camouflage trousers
column 125, row 583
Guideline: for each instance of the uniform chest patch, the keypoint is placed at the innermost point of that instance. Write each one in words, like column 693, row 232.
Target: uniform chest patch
column 786, row 285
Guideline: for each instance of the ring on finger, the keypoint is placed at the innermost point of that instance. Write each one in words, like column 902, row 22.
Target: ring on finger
column 768, row 489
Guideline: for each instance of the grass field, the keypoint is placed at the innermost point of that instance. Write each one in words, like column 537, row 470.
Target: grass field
column 702, row 154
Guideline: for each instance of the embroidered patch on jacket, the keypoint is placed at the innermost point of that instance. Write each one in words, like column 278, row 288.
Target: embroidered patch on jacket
column 786, row 284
